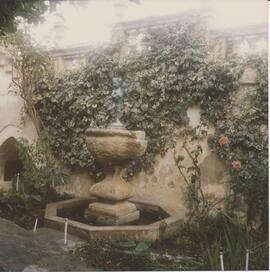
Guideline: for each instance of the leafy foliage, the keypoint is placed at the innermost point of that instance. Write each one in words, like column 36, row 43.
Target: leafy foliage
column 171, row 74
column 207, row 236
column 24, row 206
column 20, row 207
column 233, row 239
column 30, row 64
column 36, row 185
column 31, row 10
column 202, row 239
column 40, row 169
column 128, row 255
column 248, row 144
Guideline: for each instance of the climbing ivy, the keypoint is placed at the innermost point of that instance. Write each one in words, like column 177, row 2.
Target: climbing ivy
column 72, row 103
column 173, row 72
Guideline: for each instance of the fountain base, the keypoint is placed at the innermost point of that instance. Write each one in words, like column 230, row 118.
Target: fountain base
column 112, row 207
column 112, row 214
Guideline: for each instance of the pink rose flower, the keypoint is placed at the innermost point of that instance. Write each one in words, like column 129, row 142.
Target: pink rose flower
column 223, row 140
column 236, row 164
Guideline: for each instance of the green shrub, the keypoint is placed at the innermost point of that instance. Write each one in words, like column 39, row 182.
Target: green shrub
column 36, row 185
column 206, row 237
column 233, row 239
column 128, row 255
column 20, row 207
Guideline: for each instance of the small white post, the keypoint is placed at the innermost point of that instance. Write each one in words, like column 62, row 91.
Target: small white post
column 35, row 226
column 17, row 182
column 65, row 231
column 247, row 259
column 221, row 261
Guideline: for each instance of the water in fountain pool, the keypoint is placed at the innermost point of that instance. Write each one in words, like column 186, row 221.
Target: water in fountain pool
column 77, row 214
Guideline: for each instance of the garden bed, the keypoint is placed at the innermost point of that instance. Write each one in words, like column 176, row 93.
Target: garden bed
column 23, row 208
column 196, row 246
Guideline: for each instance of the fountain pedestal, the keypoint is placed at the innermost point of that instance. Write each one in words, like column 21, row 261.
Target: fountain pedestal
column 113, row 207
column 113, row 147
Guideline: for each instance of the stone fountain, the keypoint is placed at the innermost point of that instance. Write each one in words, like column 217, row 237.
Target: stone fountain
column 113, row 147
column 112, row 212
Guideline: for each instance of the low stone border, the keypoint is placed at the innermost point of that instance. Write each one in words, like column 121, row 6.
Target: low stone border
column 152, row 232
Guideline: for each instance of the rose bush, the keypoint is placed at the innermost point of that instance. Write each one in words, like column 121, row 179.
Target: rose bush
column 248, row 143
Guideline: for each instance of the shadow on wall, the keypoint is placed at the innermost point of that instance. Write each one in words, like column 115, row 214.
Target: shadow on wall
column 10, row 164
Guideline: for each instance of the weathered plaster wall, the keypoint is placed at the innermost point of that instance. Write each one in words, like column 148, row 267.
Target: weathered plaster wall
column 167, row 184
column 78, row 184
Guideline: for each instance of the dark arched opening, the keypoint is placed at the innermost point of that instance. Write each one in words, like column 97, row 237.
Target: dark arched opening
column 12, row 167
column 10, row 164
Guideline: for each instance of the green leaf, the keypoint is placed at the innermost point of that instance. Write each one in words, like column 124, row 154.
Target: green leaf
column 125, row 244
column 141, row 247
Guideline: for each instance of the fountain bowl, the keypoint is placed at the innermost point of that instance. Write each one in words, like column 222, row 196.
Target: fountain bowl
column 115, row 146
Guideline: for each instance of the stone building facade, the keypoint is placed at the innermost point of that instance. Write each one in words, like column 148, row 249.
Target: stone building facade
column 165, row 184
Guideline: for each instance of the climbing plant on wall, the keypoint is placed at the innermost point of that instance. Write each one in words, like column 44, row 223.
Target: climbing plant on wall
column 29, row 64
column 241, row 140
column 171, row 74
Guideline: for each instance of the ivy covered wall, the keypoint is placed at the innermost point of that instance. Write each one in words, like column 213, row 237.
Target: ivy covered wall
column 185, row 96
column 185, row 91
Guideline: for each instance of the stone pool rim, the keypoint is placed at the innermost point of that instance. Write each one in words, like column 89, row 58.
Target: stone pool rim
column 152, row 232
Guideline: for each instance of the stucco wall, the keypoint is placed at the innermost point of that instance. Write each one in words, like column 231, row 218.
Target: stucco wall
column 167, row 184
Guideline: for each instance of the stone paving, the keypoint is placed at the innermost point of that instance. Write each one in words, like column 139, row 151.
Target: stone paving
column 42, row 251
